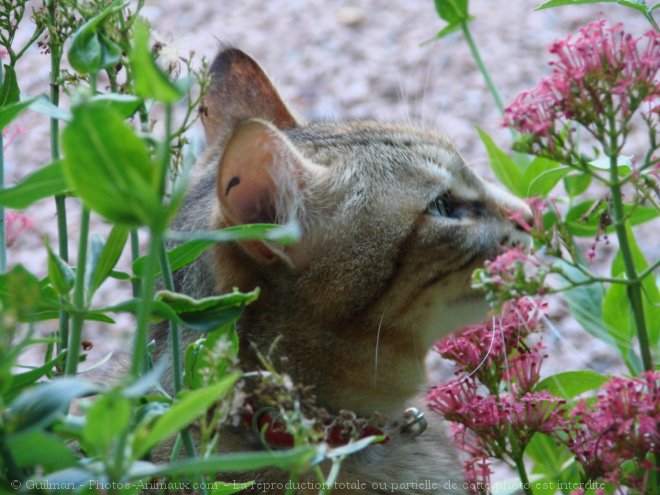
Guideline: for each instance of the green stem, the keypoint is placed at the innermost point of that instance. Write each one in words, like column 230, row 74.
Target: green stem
column 60, row 204
column 649, row 17
column 522, row 472
column 3, row 231
column 635, row 287
column 482, row 67
column 78, row 319
column 175, row 340
column 135, row 254
column 175, row 346
column 139, row 364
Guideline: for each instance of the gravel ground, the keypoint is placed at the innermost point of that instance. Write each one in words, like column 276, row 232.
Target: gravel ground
column 348, row 59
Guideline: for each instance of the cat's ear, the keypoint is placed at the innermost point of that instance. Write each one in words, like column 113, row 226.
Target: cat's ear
column 261, row 178
column 240, row 90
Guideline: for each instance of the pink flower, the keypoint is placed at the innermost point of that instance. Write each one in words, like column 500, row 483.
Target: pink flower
column 599, row 62
column 506, row 263
column 622, row 426
column 477, row 475
column 10, row 134
column 476, row 349
column 537, row 412
column 525, row 370
column 15, row 223
column 3, row 53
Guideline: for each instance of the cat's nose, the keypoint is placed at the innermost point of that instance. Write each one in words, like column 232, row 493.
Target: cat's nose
column 511, row 207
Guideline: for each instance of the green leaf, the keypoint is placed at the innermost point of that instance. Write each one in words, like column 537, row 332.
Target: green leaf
column 143, row 385
column 19, row 291
column 189, row 407
column 60, row 274
column 90, row 49
column 40, row 406
column 150, row 82
column 107, row 419
column 209, row 313
column 650, row 292
column 45, row 182
column 184, row 254
column 548, row 456
column 577, row 184
column 38, row 448
column 581, row 226
column 541, row 176
column 571, row 383
column 639, row 5
column 110, row 255
column 452, row 11
column 124, row 105
column 96, row 244
column 22, row 380
column 109, row 167
column 41, row 104
column 10, row 112
column 353, row 447
column 503, row 166
column 159, row 310
column 617, row 315
column 446, row 31
column 9, row 92
column 297, row 459
column 203, row 355
column 586, row 303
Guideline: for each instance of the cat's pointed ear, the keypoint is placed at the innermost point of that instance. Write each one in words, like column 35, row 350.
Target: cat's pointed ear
column 261, row 178
column 240, row 90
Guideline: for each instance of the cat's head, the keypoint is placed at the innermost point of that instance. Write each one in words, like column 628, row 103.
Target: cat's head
column 393, row 222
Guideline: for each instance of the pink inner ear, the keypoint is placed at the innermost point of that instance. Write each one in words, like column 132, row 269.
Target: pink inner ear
column 245, row 186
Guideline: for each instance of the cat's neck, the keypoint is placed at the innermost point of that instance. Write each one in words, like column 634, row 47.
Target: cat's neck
column 360, row 366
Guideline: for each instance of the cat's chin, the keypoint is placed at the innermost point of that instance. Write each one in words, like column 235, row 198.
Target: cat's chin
column 467, row 310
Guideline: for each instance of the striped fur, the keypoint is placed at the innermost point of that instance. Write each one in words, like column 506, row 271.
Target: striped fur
column 377, row 277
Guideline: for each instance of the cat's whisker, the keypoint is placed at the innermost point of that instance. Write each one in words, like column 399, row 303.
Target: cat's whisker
column 483, row 360
column 380, row 325
column 404, row 99
column 427, row 80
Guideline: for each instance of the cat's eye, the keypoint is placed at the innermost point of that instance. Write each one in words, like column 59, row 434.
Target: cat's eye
column 440, row 206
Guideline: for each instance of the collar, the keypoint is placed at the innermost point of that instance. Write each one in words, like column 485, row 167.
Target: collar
column 265, row 422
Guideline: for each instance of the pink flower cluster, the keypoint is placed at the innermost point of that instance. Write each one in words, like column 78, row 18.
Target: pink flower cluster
column 486, row 421
column 477, row 348
column 602, row 68
column 622, row 426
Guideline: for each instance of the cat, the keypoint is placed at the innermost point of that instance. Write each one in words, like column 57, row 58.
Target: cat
column 393, row 223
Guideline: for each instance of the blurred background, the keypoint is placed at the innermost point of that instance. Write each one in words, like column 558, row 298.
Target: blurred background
column 342, row 59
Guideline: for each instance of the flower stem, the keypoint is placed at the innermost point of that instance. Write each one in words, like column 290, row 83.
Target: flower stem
column 635, row 287
column 140, row 364
column 649, row 17
column 55, row 48
column 78, row 319
column 481, row 66
column 135, row 254
column 522, row 472
column 175, row 340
